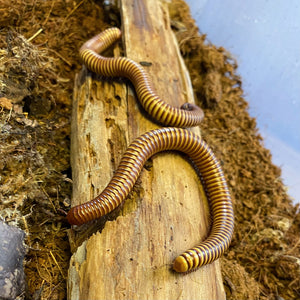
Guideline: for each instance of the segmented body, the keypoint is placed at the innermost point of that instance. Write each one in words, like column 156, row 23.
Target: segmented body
column 187, row 116
column 215, row 185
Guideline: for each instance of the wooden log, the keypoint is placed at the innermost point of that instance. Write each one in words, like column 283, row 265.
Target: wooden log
column 167, row 213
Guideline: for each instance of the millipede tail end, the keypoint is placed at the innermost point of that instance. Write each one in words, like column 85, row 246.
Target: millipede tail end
column 180, row 265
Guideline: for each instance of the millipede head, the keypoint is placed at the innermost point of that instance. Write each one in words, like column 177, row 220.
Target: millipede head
column 73, row 217
column 189, row 106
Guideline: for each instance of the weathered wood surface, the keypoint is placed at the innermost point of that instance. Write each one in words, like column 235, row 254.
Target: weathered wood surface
column 167, row 212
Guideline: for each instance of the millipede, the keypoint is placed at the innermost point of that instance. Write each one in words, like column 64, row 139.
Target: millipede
column 187, row 116
column 209, row 168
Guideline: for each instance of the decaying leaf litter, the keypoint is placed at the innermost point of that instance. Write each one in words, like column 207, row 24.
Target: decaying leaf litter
column 39, row 59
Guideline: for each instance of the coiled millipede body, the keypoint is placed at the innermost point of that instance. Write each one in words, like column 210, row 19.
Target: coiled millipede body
column 211, row 174
column 187, row 116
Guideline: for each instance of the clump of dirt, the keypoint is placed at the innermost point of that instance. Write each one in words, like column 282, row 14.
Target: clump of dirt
column 29, row 75
column 238, row 282
column 266, row 241
column 38, row 50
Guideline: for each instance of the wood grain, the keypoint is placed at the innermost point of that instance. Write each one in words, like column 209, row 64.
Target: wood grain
column 167, row 211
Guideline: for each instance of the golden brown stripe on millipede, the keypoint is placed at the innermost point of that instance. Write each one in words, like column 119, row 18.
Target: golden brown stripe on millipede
column 186, row 116
column 208, row 166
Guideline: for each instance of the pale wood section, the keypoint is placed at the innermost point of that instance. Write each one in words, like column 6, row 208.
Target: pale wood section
column 98, row 134
column 167, row 213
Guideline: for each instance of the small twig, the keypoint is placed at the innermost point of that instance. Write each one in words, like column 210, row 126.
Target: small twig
column 35, row 35
column 9, row 115
column 72, row 11
column 38, row 292
column 27, row 230
column 22, row 184
column 57, row 264
column 295, row 280
column 49, row 199
column 61, row 57
column 53, row 289
column 294, row 247
column 48, row 15
column 230, row 284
